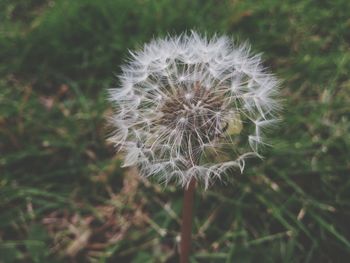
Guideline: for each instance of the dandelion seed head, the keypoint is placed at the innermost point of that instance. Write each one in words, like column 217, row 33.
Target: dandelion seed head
column 191, row 107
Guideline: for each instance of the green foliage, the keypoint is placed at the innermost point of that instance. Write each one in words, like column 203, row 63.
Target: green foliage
column 63, row 195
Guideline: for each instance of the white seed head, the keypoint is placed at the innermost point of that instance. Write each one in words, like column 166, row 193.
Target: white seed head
column 191, row 107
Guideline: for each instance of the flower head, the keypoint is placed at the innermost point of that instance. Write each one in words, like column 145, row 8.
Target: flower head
column 191, row 107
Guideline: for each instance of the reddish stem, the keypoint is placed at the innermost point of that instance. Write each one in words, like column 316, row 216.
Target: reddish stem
column 186, row 227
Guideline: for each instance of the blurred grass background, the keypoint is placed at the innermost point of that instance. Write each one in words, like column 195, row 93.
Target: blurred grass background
column 63, row 195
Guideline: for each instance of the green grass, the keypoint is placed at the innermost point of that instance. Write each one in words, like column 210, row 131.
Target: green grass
column 63, row 195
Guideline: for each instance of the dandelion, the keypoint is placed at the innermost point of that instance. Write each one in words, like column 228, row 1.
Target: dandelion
column 183, row 101
column 190, row 109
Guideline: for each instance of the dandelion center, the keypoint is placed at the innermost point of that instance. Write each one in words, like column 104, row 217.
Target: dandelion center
column 198, row 114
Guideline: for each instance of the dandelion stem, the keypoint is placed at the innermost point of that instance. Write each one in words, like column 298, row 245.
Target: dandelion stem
column 186, row 227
